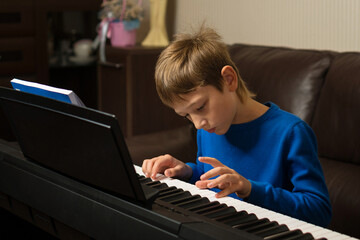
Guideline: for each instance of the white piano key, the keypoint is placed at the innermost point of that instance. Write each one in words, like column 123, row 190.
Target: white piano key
column 340, row 237
column 291, row 223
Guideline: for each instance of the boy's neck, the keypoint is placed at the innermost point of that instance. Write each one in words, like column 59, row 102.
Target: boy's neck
column 249, row 110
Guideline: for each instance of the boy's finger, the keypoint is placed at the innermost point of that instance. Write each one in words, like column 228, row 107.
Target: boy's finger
column 202, row 184
column 156, row 168
column 146, row 167
column 173, row 172
column 212, row 161
column 214, row 172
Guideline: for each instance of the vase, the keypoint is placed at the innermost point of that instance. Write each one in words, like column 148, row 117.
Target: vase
column 120, row 37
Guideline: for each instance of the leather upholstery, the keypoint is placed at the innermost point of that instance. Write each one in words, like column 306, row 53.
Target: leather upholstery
column 337, row 119
column 321, row 87
column 290, row 78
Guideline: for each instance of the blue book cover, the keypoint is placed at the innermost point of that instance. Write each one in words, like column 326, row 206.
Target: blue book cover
column 47, row 91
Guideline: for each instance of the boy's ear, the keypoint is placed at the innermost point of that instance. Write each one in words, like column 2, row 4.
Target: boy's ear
column 230, row 77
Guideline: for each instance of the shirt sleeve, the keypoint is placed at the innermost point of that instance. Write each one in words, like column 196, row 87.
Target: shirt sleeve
column 309, row 199
column 198, row 168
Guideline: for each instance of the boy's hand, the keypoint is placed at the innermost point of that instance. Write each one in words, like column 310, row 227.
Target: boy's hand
column 168, row 165
column 229, row 180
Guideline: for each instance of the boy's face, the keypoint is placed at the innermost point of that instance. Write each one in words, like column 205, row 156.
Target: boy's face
column 209, row 109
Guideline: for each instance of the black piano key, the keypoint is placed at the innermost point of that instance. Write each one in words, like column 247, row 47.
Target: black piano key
column 194, row 203
column 260, row 227
column 211, row 208
column 271, row 230
column 152, row 183
column 285, row 235
column 184, row 199
column 175, row 196
column 168, row 191
column 250, row 224
column 160, row 186
column 306, row 236
column 241, row 219
column 145, row 180
column 220, row 212
column 202, row 206
column 229, row 216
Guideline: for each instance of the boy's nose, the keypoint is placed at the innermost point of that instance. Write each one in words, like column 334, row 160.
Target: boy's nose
column 200, row 123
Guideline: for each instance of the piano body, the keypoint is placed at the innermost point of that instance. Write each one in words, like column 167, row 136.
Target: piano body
column 74, row 169
column 100, row 215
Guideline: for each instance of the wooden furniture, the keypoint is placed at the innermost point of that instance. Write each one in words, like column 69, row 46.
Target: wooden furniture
column 24, row 29
column 127, row 89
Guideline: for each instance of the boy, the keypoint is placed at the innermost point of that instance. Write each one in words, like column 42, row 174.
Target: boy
column 250, row 150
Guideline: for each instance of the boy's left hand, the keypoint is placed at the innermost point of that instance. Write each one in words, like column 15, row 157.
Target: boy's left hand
column 229, row 180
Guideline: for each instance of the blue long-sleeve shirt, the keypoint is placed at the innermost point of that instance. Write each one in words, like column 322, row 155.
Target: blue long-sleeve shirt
column 277, row 153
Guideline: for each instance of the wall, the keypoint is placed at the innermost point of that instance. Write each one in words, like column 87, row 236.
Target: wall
column 312, row 24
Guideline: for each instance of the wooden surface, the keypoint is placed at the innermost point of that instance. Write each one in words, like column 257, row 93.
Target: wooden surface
column 129, row 91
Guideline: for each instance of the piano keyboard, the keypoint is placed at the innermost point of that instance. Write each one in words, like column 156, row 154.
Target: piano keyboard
column 309, row 231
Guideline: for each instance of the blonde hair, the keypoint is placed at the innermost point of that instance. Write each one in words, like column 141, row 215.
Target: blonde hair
column 191, row 61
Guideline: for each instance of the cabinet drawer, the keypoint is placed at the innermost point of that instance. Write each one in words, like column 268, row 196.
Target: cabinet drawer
column 16, row 18
column 17, row 55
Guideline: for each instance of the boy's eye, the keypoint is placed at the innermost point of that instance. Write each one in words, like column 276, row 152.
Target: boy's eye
column 201, row 108
column 188, row 117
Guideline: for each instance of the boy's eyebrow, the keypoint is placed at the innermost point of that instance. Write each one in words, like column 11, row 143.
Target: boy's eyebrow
column 189, row 106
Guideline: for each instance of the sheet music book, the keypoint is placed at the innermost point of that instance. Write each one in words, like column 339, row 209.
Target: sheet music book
column 47, row 91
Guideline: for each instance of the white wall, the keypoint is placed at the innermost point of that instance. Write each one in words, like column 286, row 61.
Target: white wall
column 311, row 24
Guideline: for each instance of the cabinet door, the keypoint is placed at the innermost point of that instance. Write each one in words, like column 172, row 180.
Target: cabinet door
column 17, row 55
column 16, row 18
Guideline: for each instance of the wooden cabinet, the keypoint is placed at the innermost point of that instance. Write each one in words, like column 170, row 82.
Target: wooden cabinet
column 126, row 88
column 17, row 47
column 24, row 30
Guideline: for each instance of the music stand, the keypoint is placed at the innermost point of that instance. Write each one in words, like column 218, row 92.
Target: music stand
column 81, row 143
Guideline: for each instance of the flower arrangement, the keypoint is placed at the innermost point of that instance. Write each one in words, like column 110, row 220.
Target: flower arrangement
column 123, row 10
column 119, row 21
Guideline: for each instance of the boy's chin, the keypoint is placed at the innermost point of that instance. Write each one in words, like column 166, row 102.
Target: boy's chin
column 221, row 131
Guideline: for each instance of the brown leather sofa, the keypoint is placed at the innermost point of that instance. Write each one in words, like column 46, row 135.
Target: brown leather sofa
column 321, row 87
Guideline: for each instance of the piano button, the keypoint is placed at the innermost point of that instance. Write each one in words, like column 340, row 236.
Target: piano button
column 184, row 199
column 220, row 212
column 202, row 206
column 194, row 203
column 175, row 196
column 272, row 230
column 210, row 208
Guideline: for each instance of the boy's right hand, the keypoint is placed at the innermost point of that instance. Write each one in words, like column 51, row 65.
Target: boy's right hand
column 167, row 165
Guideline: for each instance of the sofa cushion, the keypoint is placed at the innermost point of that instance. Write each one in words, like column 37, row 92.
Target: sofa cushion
column 342, row 180
column 337, row 119
column 290, row 78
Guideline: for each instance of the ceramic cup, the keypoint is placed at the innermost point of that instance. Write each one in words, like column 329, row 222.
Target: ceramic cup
column 82, row 48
